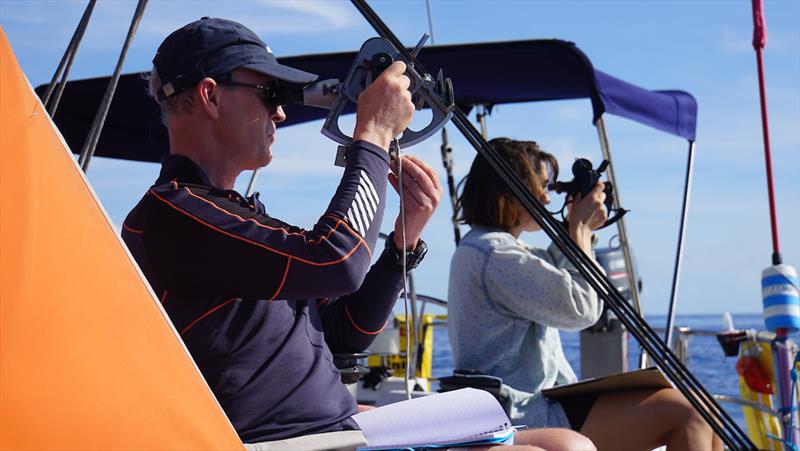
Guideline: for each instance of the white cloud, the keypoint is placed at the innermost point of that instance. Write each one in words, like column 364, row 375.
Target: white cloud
column 267, row 18
column 571, row 112
column 741, row 41
column 338, row 15
column 735, row 42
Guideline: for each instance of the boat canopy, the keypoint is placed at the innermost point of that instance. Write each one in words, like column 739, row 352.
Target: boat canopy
column 485, row 74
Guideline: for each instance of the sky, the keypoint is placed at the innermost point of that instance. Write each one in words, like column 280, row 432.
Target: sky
column 702, row 47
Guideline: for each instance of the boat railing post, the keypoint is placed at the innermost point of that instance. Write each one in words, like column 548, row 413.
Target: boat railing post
column 681, row 347
column 687, row 188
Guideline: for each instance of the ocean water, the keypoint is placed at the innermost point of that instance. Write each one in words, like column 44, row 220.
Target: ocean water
column 706, row 360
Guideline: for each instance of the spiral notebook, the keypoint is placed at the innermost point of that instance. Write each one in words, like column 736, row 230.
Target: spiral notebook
column 456, row 418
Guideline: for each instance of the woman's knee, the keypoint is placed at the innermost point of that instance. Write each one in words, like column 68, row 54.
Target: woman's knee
column 555, row 440
column 687, row 417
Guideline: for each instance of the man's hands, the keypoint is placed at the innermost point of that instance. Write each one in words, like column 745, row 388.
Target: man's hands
column 421, row 194
column 384, row 108
column 587, row 213
column 384, row 111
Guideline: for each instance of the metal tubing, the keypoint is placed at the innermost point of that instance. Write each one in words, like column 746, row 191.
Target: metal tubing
column 99, row 120
column 687, row 188
column 773, row 215
column 747, row 403
column 684, row 381
column 481, row 116
column 783, row 362
column 623, row 234
column 447, row 161
column 633, row 286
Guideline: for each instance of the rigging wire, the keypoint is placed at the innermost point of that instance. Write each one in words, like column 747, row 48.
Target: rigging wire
column 394, row 151
column 67, row 60
column 446, row 150
column 97, row 126
column 430, row 21
column 685, row 381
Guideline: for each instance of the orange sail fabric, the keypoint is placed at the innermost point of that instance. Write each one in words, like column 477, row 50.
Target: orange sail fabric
column 88, row 359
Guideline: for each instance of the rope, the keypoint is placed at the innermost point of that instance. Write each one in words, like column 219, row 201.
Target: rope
column 394, row 152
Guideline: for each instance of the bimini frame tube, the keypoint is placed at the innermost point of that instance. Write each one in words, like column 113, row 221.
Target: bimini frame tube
column 687, row 188
column 623, row 234
column 633, row 287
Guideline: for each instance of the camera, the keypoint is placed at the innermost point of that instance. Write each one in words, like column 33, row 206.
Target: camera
column 585, row 178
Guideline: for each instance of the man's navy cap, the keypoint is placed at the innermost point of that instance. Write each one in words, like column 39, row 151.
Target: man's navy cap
column 213, row 47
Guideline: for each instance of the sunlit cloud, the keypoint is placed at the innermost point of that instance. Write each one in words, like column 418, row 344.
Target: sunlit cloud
column 741, row 41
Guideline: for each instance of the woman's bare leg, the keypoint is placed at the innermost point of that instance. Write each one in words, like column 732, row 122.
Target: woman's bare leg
column 647, row 419
column 544, row 439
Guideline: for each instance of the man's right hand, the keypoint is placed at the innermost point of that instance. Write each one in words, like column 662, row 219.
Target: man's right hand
column 384, row 108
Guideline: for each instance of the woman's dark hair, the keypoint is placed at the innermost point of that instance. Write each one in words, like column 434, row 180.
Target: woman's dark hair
column 486, row 200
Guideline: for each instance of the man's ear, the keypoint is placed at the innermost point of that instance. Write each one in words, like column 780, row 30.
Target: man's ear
column 208, row 94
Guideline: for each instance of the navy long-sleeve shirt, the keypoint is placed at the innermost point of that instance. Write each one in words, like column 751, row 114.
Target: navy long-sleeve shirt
column 262, row 304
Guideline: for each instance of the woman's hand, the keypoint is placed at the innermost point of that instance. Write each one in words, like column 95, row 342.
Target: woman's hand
column 421, row 194
column 587, row 213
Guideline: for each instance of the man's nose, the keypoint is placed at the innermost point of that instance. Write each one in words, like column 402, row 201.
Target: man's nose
column 278, row 115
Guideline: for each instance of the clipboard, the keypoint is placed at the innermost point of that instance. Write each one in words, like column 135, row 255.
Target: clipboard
column 651, row 378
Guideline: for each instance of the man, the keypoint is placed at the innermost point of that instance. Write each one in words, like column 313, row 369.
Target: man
column 259, row 303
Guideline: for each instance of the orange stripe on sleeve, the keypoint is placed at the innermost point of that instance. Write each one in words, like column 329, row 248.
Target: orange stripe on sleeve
column 185, row 329
column 365, row 332
column 283, row 281
column 353, row 232
column 164, row 297
column 132, row 230
column 334, row 262
column 339, row 221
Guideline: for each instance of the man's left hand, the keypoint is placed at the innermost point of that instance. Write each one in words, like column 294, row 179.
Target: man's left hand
column 421, row 194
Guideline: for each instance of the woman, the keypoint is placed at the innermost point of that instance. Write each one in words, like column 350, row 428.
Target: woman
column 507, row 301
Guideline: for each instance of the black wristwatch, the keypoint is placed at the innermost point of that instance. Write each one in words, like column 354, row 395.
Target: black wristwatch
column 395, row 255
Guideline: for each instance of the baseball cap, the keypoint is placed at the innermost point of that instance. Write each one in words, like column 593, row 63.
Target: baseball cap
column 211, row 47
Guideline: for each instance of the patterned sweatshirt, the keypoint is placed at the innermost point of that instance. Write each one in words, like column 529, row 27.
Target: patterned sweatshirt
column 506, row 302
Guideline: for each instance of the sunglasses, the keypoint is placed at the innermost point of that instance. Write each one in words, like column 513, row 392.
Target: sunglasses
column 273, row 95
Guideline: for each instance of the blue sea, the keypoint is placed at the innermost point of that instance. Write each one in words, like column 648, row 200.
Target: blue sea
column 706, row 361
